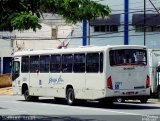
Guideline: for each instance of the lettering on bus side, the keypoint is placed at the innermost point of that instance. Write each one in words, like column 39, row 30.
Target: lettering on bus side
column 53, row 80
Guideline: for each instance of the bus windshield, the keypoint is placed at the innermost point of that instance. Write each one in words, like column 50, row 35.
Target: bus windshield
column 124, row 57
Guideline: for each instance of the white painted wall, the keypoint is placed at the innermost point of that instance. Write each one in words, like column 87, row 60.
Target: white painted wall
column 41, row 39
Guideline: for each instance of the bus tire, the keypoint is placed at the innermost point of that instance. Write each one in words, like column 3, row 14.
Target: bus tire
column 144, row 100
column 120, row 100
column 70, row 96
column 27, row 96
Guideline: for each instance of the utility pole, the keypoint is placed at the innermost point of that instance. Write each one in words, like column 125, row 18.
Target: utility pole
column 126, row 16
column 84, row 43
column 84, row 32
column 144, row 27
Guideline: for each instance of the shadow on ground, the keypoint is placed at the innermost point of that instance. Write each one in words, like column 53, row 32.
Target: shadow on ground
column 94, row 104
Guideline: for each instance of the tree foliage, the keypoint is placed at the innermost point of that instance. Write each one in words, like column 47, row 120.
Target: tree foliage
column 25, row 14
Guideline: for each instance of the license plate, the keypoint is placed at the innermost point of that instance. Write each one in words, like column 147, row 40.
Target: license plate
column 129, row 93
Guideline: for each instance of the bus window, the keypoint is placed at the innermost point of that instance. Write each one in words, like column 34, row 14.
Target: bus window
column 25, row 64
column 34, row 64
column 101, row 62
column 79, row 63
column 55, row 63
column 92, row 62
column 67, row 63
column 44, row 63
column 128, row 57
column 15, row 70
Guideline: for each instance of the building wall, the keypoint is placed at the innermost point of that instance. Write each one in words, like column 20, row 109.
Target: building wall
column 41, row 39
column 135, row 38
column 6, row 49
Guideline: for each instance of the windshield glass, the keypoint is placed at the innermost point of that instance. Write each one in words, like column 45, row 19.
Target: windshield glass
column 123, row 57
column 15, row 70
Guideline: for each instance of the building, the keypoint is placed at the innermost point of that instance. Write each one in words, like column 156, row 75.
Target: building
column 53, row 27
column 112, row 30
column 126, row 23
column 6, row 46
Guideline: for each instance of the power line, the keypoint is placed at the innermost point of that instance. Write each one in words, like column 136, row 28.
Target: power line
column 154, row 7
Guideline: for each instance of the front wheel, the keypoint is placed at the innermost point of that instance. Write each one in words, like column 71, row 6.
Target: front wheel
column 30, row 98
column 27, row 96
column 70, row 96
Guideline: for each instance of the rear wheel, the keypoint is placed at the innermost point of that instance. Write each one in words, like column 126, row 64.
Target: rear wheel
column 70, row 96
column 120, row 100
column 144, row 100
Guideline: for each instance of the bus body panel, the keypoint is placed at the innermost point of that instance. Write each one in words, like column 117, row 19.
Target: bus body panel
column 126, row 78
column 96, row 85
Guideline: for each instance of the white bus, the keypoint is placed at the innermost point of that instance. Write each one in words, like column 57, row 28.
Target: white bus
column 87, row 73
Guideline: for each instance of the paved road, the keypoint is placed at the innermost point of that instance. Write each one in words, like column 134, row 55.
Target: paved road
column 14, row 107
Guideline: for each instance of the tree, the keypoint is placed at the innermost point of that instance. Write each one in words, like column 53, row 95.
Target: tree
column 25, row 14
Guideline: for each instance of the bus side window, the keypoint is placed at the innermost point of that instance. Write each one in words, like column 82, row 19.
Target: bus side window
column 55, row 63
column 92, row 62
column 34, row 64
column 79, row 63
column 25, row 64
column 44, row 63
column 15, row 70
column 101, row 62
column 67, row 63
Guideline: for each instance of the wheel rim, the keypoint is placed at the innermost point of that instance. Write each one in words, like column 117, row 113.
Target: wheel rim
column 119, row 100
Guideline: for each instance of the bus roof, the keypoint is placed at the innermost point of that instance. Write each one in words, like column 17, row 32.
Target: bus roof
column 76, row 50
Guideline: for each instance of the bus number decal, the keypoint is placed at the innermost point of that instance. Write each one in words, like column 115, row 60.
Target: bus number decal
column 53, row 80
column 118, row 84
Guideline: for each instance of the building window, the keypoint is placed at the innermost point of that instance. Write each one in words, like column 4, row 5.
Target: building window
column 148, row 28
column 152, row 22
column 106, row 28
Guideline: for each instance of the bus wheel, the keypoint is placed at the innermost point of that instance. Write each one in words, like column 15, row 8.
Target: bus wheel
column 70, row 96
column 120, row 100
column 144, row 100
column 27, row 96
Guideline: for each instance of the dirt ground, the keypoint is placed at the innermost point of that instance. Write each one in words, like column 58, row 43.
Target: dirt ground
column 6, row 91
